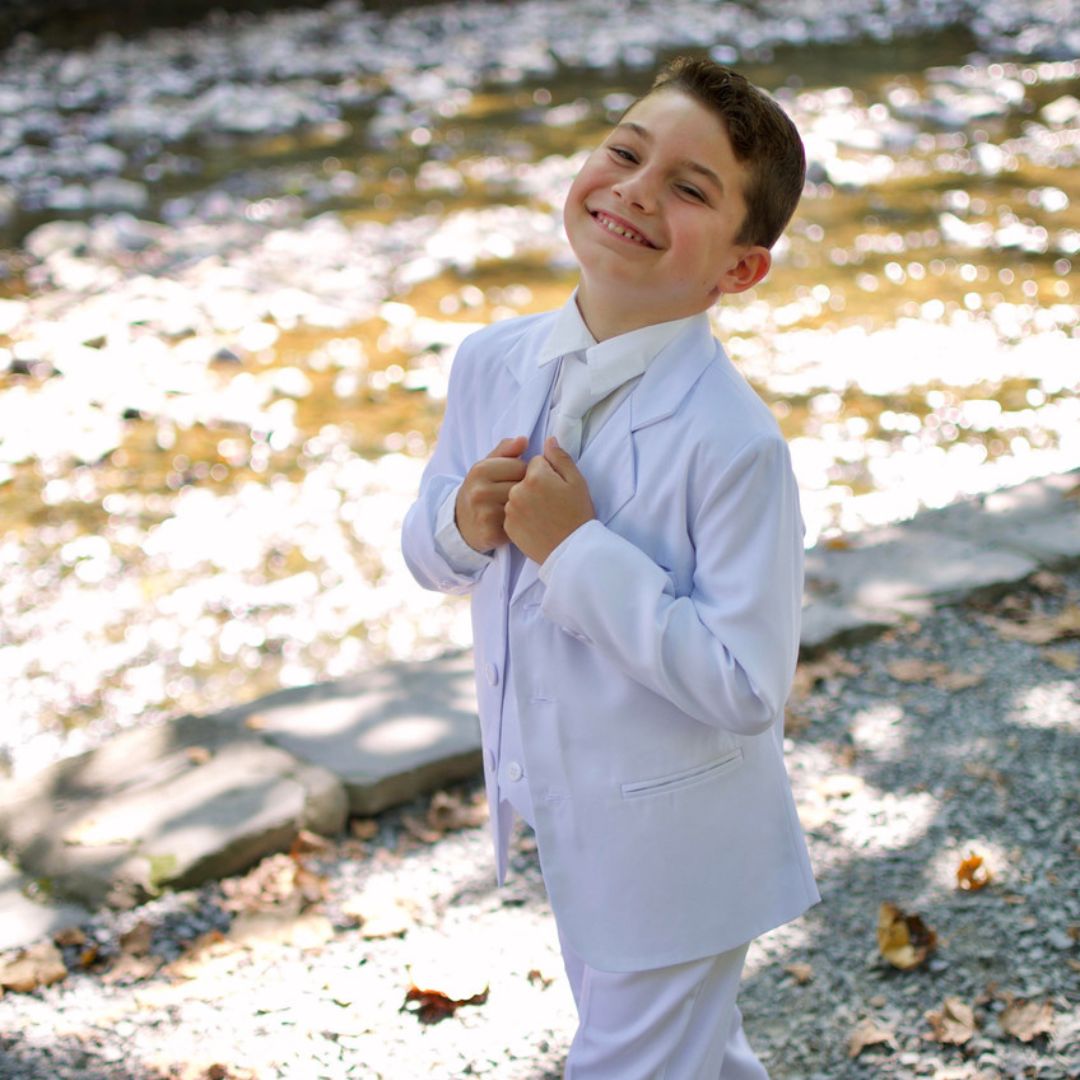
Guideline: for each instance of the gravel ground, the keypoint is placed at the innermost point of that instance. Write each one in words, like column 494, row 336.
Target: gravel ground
column 301, row 968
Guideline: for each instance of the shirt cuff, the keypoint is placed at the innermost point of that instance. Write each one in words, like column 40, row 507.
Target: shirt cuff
column 451, row 545
column 547, row 567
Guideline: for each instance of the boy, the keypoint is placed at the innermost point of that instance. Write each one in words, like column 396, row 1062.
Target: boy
column 633, row 548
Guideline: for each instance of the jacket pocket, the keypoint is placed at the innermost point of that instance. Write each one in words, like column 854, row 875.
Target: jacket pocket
column 699, row 774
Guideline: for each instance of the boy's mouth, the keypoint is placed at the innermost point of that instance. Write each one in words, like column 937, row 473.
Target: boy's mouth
column 620, row 228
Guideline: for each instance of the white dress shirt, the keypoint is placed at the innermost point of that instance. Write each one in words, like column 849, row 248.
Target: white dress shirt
column 615, row 367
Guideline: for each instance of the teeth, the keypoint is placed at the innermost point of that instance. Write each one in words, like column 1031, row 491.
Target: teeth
column 612, row 226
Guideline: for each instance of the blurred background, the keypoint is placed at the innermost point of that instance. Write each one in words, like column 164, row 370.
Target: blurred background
column 239, row 247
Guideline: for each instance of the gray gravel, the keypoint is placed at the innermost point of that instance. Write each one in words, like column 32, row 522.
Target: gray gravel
column 897, row 782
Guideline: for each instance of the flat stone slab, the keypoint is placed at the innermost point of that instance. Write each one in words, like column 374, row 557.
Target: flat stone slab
column 389, row 734
column 169, row 806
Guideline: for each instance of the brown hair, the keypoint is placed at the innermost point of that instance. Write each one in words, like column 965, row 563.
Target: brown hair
column 762, row 135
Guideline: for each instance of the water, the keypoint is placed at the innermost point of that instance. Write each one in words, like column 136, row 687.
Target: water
column 239, row 257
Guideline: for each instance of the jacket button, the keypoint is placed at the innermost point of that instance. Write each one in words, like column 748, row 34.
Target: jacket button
column 514, row 771
column 492, row 673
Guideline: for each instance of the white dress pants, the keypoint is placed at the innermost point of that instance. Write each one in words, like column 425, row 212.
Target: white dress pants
column 672, row 1023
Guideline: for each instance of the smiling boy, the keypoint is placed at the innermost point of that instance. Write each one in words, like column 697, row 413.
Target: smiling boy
column 633, row 549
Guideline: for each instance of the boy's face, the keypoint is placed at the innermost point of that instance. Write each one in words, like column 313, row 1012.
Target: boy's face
column 654, row 213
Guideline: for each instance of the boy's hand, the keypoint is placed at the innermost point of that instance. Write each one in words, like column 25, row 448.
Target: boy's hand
column 548, row 504
column 481, row 499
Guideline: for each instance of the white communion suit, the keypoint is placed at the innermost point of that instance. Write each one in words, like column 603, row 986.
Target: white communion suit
column 631, row 690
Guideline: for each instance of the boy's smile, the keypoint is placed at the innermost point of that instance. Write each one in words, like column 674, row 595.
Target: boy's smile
column 653, row 215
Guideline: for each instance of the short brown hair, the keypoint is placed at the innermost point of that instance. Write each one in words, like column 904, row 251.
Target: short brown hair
column 762, row 135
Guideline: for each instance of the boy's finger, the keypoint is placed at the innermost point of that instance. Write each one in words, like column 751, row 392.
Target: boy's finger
column 559, row 459
column 510, row 447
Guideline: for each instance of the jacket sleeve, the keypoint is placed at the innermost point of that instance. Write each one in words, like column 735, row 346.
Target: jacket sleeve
column 429, row 562
column 724, row 654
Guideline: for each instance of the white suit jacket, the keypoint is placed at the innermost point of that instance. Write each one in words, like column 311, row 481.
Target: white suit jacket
column 653, row 666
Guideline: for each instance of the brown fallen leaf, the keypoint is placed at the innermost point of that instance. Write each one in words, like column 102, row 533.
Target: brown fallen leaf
column 420, row 830
column 1063, row 659
column 70, row 935
column 1026, row 1020
column 379, row 915
column 1040, row 629
column 130, row 968
column 954, row 1024
column 448, row 812
column 39, row 965
column 913, row 670
column 256, row 722
column 364, row 828
column 959, row 680
column 537, row 976
column 431, row 1006
column 810, row 673
column 904, row 940
column 136, row 941
column 972, row 873
column 868, row 1033
column 800, row 972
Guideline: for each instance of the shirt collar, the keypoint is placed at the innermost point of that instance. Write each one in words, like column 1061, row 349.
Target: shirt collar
column 611, row 362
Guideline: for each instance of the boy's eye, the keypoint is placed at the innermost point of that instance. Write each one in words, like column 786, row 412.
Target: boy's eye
column 693, row 192
column 622, row 152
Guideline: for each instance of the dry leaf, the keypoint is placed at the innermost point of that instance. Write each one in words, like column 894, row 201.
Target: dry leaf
column 364, row 828
column 255, row 722
column 800, row 972
column 431, row 1006
column 1025, row 1020
column 914, row 670
column 955, row 1024
column 536, row 976
column 258, row 929
column 279, row 881
column 1063, row 659
column 449, row 812
column 379, row 916
column 198, row 755
column 39, row 965
column 810, row 673
column 1041, row 629
column 959, row 680
column 70, row 935
column 306, row 842
column 136, row 941
column 868, row 1033
column 904, row 940
column 419, row 830
column 130, row 968
column 837, row 543
column 972, row 873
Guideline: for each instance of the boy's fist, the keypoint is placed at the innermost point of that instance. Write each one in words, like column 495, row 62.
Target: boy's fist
column 481, row 500
column 549, row 504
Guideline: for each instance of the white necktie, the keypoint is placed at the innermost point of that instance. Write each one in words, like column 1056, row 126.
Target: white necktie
column 576, row 398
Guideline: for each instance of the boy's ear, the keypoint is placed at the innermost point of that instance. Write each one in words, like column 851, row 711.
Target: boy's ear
column 751, row 267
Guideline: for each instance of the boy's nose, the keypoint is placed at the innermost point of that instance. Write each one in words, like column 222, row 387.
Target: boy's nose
column 638, row 191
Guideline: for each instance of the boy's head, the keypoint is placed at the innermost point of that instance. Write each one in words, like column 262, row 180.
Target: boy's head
column 682, row 201
column 764, row 139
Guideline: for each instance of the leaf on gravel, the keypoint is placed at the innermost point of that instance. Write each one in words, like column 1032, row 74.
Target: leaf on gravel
column 972, row 873
column 431, row 1006
column 364, row 828
column 800, row 972
column 39, row 965
column 198, row 755
column 904, row 940
column 278, row 882
column 1025, row 1020
column 954, row 1024
column 130, row 968
column 70, row 935
column 537, row 976
column 959, row 680
column 136, row 941
column 449, row 812
column 810, row 673
column 419, row 830
column 257, row 929
column 869, row 1033
column 1040, row 629
column 1063, row 659
column 380, row 915
column 914, row 670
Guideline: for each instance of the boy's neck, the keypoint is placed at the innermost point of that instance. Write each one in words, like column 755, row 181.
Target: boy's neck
column 608, row 320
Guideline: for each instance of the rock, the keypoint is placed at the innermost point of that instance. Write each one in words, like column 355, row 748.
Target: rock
column 173, row 805
column 389, row 734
